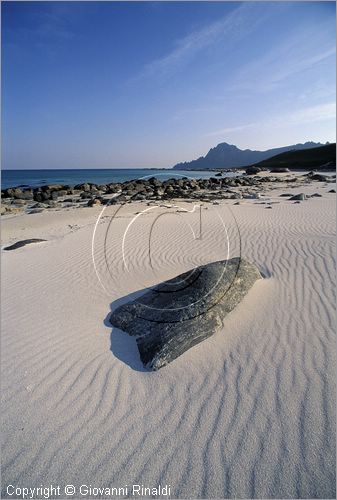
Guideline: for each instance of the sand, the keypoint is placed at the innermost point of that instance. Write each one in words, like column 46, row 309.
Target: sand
column 248, row 413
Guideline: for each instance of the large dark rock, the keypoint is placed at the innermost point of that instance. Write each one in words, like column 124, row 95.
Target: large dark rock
column 319, row 177
column 179, row 313
column 252, row 170
column 280, row 170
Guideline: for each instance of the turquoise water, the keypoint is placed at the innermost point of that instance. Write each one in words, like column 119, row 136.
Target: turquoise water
column 34, row 178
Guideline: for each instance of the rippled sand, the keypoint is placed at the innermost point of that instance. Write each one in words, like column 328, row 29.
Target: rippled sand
column 247, row 413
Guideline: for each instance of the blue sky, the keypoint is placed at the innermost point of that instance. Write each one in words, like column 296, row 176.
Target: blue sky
column 148, row 84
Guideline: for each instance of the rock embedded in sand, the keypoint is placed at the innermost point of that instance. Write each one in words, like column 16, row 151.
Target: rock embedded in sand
column 178, row 314
column 298, row 197
column 23, row 243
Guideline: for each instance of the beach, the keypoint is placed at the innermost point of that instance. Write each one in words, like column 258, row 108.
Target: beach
column 247, row 413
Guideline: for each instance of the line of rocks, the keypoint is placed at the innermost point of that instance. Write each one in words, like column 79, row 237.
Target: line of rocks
column 89, row 194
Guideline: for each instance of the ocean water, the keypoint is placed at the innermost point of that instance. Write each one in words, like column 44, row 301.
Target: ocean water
column 34, row 178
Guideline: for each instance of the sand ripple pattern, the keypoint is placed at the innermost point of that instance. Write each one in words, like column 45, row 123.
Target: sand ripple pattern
column 248, row 413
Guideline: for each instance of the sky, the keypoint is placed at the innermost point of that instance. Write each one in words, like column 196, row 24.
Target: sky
column 150, row 84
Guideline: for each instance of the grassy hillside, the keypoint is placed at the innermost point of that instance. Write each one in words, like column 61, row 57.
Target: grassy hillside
column 305, row 159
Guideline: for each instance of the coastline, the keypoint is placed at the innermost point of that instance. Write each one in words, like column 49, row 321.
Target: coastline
column 153, row 189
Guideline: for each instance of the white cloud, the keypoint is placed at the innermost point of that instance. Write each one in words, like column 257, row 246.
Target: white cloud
column 306, row 48
column 237, row 24
column 310, row 114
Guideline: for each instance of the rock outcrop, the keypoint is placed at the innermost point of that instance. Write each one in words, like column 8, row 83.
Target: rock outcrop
column 179, row 313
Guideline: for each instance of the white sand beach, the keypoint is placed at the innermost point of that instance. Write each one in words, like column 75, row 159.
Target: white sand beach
column 248, row 413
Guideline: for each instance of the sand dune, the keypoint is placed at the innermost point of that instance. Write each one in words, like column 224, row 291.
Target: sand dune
column 248, row 413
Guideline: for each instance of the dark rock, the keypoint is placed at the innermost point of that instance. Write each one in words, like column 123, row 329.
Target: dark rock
column 94, row 202
column 140, row 197
column 36, row 211
column 51, row 204
column 39, row 205
column 286, row 195
column 316, row 195
column 332, row 191
column 319, row 177
column 280, row 170
column 113, row 188
column 251, row 196
column 37, row 196
column 62, row 192
column 52, row 187
column 22, row 243
column 74, row 191
column 252, row 170
column 83, row 187
column 298, row 197
column 13, row 193
column 85, row 195
column 179, row 313
column 24, row 195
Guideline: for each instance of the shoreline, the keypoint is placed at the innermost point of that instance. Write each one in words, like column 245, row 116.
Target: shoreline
column 59, row 196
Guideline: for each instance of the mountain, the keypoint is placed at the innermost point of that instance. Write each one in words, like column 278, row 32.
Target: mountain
column 307, row 159
column 227, row 155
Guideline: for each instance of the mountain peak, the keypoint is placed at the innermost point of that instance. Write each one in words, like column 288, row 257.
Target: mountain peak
column 226, row 155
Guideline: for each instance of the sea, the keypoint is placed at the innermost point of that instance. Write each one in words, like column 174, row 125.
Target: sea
column 35, row 178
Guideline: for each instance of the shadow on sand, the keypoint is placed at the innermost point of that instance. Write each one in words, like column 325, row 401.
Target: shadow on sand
column 122, row 345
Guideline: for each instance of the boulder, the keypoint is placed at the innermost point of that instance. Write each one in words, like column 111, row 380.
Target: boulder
column 85, row 195
column 298, row 197
column 252, row 170
column 53, row 187
column 94, row 202
column 319, row 177
column 179, row 313
column 62, row 192
column 280, row 170
column 23, row 195
column 83, row 187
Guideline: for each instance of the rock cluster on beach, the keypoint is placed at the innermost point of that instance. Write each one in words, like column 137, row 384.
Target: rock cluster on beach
column 179, row 313
column 89, row 194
